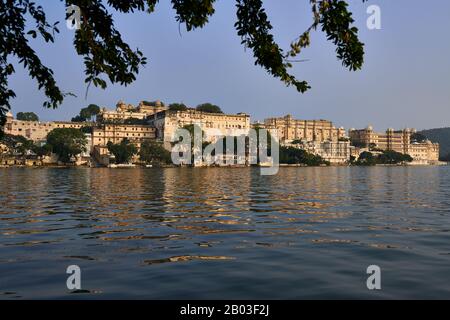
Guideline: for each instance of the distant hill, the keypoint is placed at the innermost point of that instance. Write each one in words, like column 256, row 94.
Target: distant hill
column 441, row 136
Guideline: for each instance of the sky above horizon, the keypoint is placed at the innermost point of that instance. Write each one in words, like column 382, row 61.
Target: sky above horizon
column 405, row 80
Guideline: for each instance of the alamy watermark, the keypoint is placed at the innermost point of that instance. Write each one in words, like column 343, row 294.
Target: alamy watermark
column 374, row 20
column 74, row 280
column 374, row 280
column 73, row 17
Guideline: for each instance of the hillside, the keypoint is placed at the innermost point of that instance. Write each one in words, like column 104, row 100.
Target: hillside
column 441, row 136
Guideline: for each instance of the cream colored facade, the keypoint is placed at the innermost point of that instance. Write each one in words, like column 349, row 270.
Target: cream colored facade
column 115, row 133
column 127, row 111
column 336, row 152
column 289, row 129
column 399, row 141
column 36, row 130
column 424, row 152
column 214, row 125
column 390, row 140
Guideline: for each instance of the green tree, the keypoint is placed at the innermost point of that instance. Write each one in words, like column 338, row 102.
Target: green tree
column 208, row 107
column 87, row 114
column 27, row 116
column 152, row 103
column 135, row 121
column 123, row 151
column 292, row 155
column 17, row 144
column 153, row 152
column 86, row 129
column 44, row 150
column 66, row 143
column 78, row 118
column 393, row 157
column 386, row 157
column 366, row 159
column 107, row 57
column 177, row 107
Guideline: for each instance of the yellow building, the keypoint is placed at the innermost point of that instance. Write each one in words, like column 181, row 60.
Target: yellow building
column 424, row 152
column 289, row 129
column 115, row 133
column 399, row 141
column 36, row 130
column 390, row 140
column 214, row 125
column 127, row 111
column 335, row 152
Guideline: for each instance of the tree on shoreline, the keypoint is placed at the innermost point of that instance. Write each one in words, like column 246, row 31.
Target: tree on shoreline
column 153, row 152
column 108, row 57
column 292, row 155
column 123, row 151
column 385, row 157
column 66, row 143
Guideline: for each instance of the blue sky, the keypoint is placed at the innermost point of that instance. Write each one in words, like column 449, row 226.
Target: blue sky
column 405, row 81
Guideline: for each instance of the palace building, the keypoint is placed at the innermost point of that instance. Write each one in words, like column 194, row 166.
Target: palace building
column 396, row 140
column 127, row 111
column 289, row 129
column 214, row 125
column 116, row 133
column 36, row 130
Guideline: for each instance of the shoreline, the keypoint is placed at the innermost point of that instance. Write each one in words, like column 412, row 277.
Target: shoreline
column 139, row 166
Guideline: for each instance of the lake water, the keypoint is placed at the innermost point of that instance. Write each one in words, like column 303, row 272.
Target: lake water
column 222, row 233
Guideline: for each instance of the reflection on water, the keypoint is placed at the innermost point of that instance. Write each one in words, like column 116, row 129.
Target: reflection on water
column 225, row 233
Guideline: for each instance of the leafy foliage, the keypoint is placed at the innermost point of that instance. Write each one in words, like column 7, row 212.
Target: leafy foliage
column 366, row 158
column 135, row 121
column 292, row 155
column 152, row 103
column 87, row 113
column 153, row 152
column 19, row 145
column 208, row 107
column 386, row 157
column 107, row 57
column 193, row 13
column 177, row 107
column 66, row 143
column 123, row 151
column 254, row 28
column 27, row 116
